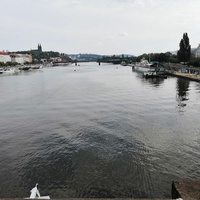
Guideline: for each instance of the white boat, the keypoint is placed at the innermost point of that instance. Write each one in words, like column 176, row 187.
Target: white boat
column 1, row 70
column 55, row 64
column 10, row 71
column 145, row 67
column 36, row 67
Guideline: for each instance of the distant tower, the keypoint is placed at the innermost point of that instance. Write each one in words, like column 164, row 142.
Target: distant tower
column 39, row 48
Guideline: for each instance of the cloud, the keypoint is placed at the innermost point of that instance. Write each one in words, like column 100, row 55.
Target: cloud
column 111, row 25
column 124, row 34
column 99, row 43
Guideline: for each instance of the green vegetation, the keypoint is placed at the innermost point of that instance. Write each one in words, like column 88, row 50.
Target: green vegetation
column 37, row 55
column 160, row 57
column 2, row 64
column 194, row 61
column 115, row 59
column 184, row 53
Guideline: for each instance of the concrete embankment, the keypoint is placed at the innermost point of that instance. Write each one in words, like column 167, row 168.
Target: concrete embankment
column 192, row 77
column 186, row 189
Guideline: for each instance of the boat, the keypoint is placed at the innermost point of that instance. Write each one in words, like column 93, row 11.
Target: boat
column 123, row 63
column 148, row 69
column 25, row 68
column 1, row 70
column 145, row 67
column 56, row 63
column 9, row 71
column 36, row 67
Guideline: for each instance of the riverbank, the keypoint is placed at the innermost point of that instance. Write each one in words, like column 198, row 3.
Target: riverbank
column 181, row 190
column 189, row 76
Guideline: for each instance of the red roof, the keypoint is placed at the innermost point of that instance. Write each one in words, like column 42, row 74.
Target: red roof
column 3, row 52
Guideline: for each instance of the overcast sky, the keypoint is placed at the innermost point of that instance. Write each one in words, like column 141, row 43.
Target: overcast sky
column 99, row 26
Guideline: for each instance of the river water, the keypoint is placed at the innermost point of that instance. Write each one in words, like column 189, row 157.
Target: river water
column 97, row 131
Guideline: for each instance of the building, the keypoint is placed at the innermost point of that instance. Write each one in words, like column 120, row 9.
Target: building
column 17, row 58
column 21, row 58
column 55, row 59
column 44, row 60
column 27, row 58
column 4, row 57
column 197, row 52
column 38, row 50
column 39, row 47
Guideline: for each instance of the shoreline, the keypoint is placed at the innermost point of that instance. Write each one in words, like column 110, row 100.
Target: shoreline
column 189, row 76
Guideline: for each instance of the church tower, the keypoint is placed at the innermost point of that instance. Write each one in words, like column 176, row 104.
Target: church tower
column 39, row 48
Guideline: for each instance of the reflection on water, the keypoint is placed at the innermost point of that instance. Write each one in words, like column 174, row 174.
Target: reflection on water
column 99, row 131
column 182, row 88
column 155, row 81
column 182, row 91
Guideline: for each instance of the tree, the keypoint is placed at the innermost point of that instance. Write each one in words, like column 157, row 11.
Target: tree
column 184, row 52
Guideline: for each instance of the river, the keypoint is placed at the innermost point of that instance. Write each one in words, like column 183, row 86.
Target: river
column 97, row 131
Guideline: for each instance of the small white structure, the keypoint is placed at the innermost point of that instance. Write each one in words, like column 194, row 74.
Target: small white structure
column 4, row 57
column 35, row 194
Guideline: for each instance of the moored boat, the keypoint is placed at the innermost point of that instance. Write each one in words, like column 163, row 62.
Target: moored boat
column 1, row 70
column 144, row 66
column 36, row 67
column 54, row 64
column 148, row 69
column 24, row 68
column 9, row 71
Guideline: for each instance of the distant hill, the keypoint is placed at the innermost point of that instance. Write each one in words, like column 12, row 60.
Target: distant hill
column 84, row 56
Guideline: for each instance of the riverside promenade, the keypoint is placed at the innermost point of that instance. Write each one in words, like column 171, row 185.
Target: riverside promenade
column 189, row 76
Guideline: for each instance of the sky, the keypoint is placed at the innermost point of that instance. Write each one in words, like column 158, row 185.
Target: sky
column 106, row 27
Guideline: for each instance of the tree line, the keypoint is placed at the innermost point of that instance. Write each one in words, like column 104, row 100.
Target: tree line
column 184, row 55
